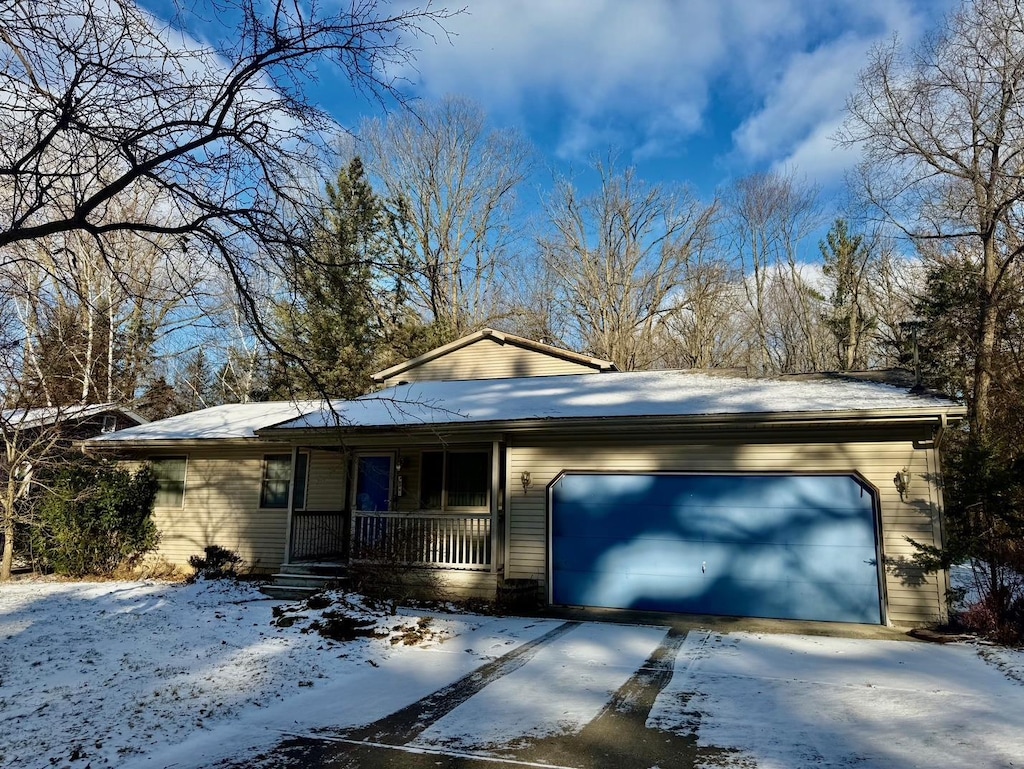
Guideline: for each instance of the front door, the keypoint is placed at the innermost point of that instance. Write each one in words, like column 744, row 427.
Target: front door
column 373, row 483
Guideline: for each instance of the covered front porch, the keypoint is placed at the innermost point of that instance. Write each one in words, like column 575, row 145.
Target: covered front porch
column 428, row 505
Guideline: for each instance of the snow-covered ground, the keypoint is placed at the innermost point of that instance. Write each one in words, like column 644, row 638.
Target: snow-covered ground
column 786, row 700
column 153, row 674
column 157, row 675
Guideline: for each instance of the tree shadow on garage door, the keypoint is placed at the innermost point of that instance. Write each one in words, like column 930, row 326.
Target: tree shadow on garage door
column 760, row 545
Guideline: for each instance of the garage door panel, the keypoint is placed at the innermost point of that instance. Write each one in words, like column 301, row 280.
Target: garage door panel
column 802, row 527
column 754, row 598
column 685, row 559
column 800, row 547
column 761, row 509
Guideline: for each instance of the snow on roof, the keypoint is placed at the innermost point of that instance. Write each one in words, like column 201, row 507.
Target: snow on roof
column 614, row 394
column 579, row 396
column 49, row 415
column 236, row 420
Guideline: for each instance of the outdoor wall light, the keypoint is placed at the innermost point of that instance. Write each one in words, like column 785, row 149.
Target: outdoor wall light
column 902, row 481
column 526, row 480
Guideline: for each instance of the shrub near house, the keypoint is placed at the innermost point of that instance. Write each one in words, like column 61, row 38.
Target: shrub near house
column 96, row 518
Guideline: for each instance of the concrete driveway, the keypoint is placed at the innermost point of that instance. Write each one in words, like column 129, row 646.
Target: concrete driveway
column 589, row 694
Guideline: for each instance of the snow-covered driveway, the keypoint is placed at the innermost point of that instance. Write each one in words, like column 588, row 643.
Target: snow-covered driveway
column 156, row 675
column 788, row 701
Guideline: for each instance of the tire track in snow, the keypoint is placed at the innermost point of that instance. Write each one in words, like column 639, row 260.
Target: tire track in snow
column 403, row 725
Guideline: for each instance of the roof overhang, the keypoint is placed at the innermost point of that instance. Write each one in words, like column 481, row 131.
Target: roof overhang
column 46, row 416
column 180, row 444
column 910, row 417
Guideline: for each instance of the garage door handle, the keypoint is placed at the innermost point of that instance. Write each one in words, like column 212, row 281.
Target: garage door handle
column 704, row 567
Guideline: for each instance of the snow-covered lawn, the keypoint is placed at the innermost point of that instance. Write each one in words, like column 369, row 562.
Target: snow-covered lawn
column 156, row 675
column 153, row 674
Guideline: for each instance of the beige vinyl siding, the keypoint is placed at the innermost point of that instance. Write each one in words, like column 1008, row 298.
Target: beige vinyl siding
column 221, row 505
column 488, row 359
column 912, row 597
column 325, row 487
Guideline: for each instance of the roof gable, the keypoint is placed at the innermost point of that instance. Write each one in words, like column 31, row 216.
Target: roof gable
column 490, row 354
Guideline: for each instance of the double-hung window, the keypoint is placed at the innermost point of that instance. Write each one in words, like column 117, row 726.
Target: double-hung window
column 170, row 480
column 455, row 480
column 276, row 481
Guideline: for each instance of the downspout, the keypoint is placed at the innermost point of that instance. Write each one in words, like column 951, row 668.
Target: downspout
column 940, row 519
column 506, row 529
column 940, row 431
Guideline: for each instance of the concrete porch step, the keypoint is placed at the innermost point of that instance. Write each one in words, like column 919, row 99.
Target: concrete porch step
column 335, row 570
column 295, row 581
column 288, row 592
column 307, row 580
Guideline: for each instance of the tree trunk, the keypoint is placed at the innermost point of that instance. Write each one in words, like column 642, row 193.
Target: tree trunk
column 988, row 321
column 852, row 341
column 7, row 563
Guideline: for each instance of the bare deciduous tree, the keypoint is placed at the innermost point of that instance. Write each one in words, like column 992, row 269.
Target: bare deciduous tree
column 34, row 443
column 768, row 215
column 104, row 104
column 91, row 322
column 619, row 259
column 451, row 181
column 942, row 129
column 894, row 283
column 707, row 332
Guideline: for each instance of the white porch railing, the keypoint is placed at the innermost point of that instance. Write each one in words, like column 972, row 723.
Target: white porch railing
column 450, row 541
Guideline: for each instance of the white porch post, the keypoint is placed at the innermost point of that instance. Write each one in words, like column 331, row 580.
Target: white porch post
column 291, row 508
column 495, row 486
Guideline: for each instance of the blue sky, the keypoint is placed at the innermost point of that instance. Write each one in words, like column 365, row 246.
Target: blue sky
column 687, row 90
column 697, row 91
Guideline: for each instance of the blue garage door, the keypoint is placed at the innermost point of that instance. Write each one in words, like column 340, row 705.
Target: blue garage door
column 784, row 546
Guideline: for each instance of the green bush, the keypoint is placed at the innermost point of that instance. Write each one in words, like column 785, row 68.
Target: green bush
column 96, row 518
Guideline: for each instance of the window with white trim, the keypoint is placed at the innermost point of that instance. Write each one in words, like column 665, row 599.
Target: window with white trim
column 276, row 481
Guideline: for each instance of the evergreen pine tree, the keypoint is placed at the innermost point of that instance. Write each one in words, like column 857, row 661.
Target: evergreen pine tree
column 846, row 258
column 330, row 330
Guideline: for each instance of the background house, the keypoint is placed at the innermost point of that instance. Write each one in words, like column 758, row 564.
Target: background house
column 74, row 422
column 498, row 458
column 37, row 439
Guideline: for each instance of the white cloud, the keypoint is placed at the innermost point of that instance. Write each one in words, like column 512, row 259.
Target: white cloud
column 804, row 106
column 650, row 75
column 817, row 157
column 594, row 67
column 803, row 109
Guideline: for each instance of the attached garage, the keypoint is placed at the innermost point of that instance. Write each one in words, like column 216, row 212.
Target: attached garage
column 753, row 544
column 702, row 492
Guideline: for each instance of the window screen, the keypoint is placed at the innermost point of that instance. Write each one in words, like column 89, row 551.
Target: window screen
column 456, row 479
column 170, row 480
column 274, row 488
